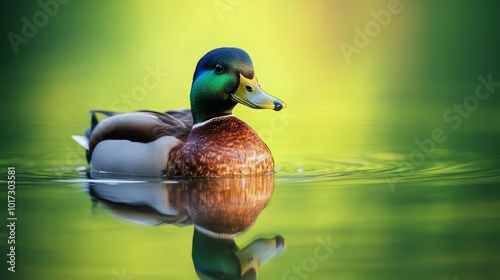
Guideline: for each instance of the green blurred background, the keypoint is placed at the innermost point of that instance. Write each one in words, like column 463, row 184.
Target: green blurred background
column 355, row 115
column 94, row 54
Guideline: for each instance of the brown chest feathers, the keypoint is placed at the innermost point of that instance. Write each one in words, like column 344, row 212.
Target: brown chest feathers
column 220, row 147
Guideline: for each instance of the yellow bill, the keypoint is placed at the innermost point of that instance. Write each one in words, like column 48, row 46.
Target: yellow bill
column 250, row 93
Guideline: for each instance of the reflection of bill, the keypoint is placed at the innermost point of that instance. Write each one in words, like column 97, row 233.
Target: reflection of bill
column 215, row 258
column 220, row 209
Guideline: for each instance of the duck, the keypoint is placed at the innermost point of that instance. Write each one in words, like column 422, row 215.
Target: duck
column 219, row 208
column 206, row 140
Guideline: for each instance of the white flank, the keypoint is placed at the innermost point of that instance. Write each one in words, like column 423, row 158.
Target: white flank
column 133, row 158
column 153, row 194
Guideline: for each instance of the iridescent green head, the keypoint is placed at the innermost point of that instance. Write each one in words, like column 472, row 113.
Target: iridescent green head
column 223, row 78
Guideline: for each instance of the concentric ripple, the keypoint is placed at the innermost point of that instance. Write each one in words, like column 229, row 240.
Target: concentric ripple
column 442, row 167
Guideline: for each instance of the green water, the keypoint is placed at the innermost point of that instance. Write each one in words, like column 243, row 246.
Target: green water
column 438, row 220
column 387, row 161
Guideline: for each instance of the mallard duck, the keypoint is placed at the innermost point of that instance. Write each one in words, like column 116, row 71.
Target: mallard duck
column 220, row 208
column 206, row 140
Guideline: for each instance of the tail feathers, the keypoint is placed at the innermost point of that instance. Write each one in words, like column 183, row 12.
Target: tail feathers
column 82, row 141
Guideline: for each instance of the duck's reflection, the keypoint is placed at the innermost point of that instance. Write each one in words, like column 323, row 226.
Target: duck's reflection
column 219, row 209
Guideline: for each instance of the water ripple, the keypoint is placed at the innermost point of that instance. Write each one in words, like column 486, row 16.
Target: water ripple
column 441, row 167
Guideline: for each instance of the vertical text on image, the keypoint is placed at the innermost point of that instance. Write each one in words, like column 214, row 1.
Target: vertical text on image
column 11, row 219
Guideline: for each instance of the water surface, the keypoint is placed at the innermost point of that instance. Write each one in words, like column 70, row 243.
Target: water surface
column 380, row 217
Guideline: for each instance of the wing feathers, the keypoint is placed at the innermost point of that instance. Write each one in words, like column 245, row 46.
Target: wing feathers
column 141, row 126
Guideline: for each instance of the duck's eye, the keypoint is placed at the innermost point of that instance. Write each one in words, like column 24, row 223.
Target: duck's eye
column 219, row 69
column 220, row 275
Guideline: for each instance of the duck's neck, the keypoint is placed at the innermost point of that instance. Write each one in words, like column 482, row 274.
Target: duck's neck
column 202, row 117
column 204, row 107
